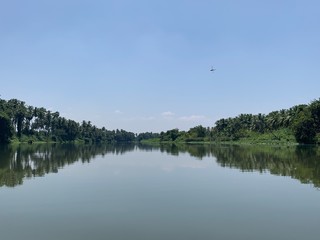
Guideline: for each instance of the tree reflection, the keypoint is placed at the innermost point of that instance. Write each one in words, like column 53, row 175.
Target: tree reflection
column 298, row 162
column 22, row 161
column 301, row 162
column 26, row 161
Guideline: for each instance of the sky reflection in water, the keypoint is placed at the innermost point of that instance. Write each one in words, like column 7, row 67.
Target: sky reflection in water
column 162, row 192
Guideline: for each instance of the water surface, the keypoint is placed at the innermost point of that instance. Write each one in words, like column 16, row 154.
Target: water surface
column 165, row 192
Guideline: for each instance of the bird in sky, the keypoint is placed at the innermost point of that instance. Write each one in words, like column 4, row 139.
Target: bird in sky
column 212, row 69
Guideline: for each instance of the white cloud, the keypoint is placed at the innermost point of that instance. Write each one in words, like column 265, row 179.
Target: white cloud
column 193, row 118
column 118, row 112
column 167, row 114
column 148, row 118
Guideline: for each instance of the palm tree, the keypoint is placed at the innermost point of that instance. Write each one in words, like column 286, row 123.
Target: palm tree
column 18, row 113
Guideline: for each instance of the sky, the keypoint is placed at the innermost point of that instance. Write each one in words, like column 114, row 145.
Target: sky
column 144, row 65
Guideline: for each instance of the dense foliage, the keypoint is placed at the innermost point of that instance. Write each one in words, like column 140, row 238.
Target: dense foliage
column 303, row 121
column 5, row 128
column 300, row 123
column 147, row 135
column 28, row 123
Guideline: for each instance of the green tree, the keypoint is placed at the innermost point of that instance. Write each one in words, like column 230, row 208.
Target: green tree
column 198, row 131
column 304, row 128
column 315, row 113
column 5, row 128
column 174, row 134
column 18, row 113
column 28, row 118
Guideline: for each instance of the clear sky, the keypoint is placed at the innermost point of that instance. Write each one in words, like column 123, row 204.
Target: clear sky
column 144, row 65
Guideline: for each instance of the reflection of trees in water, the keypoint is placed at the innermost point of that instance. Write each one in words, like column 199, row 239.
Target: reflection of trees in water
column 26, row 161
column 301, row 162
column 198, row 151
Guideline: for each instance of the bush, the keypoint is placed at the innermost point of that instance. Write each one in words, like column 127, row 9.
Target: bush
column 305, row 131
column 5, row 128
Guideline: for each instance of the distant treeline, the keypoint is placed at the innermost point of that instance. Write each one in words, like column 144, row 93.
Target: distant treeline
column 300, row 123
column 24, row 123
column 301, row 120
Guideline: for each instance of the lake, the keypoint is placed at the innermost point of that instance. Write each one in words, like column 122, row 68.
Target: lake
column 159, row 192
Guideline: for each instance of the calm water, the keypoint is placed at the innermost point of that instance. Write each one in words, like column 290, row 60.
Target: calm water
column 169, row 192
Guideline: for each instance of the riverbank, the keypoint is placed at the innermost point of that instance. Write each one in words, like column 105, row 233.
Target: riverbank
column 33, row 140
column 280, row 137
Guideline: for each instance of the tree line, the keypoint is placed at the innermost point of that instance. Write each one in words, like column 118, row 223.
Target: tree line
column 19, row 121
column 301, row 122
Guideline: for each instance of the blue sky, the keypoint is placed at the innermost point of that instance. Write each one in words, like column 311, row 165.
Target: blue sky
column 144, row 65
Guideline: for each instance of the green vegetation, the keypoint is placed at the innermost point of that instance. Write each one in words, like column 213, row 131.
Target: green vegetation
column 299, row 124
column 5, row 128
column 22, row 123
